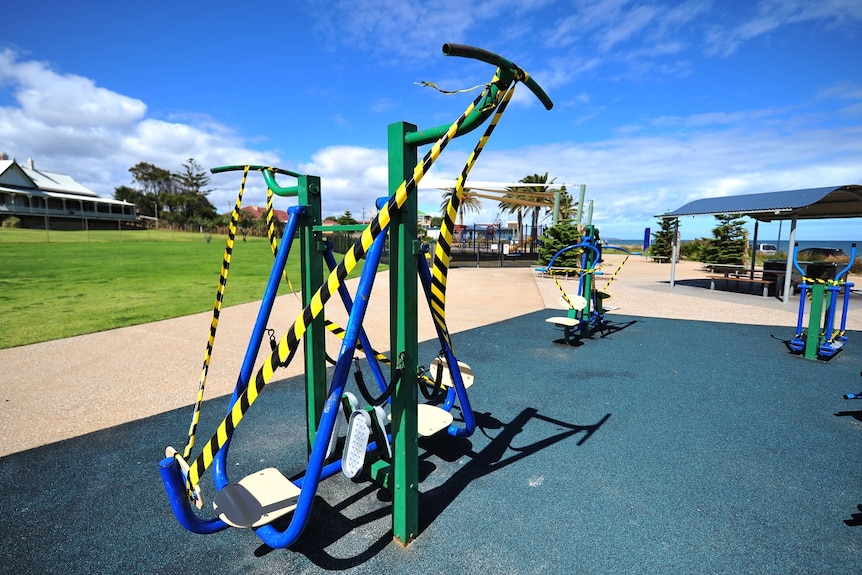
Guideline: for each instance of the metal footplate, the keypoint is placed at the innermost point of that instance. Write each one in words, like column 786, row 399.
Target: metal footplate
column 256, row 500
column 431, row 419
column 446, row 377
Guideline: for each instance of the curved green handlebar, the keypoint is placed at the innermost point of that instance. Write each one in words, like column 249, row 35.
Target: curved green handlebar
column 507, row 73
column 268, row 175
column 500, row 62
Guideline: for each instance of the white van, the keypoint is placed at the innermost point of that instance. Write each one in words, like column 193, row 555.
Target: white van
column 767, row 249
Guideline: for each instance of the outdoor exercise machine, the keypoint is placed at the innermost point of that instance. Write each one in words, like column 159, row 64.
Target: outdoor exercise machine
column 821, row 339
column 586, row 309
column 392, row 458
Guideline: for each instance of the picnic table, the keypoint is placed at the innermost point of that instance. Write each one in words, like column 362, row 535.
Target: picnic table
column 742, row 275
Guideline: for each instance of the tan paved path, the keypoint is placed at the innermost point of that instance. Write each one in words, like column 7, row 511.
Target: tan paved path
column 62, row 389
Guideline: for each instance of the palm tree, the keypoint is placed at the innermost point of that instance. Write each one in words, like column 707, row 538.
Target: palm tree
column 513, row 208
column 469, row 203
column 525, row 193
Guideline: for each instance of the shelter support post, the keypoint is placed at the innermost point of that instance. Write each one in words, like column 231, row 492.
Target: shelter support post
column 754, row 247
column 674, row 255
column 788, row 268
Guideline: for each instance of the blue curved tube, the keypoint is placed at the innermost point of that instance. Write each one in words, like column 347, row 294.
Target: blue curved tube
column 175, row 486
column 573, row 246
column 294, row 212
column 802, row 299
column 796, row 261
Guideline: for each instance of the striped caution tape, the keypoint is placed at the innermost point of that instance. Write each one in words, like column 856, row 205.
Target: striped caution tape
column 290, row 341
column 273, row 238
column 616, row 273
column 444, row 241
column 222, row 283
column 339, row 332
column 563, row 292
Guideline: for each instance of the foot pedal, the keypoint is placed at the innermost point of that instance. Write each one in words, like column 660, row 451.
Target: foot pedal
column 347, row 405
column 446, row 381
column 256, row 500
column 380, row 430
column 431, row 419
column 358, row 432
column 563, row 321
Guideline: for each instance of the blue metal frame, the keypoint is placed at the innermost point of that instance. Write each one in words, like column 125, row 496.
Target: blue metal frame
column 457, row 391
column 317, row 470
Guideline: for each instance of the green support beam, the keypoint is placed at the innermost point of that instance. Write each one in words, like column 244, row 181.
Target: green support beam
column 312, row 268
column 815, row 315
column 404, row 335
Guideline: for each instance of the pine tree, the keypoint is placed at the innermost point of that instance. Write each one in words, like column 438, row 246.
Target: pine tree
column 662, row 243
column 728, row 243
column 557, row 237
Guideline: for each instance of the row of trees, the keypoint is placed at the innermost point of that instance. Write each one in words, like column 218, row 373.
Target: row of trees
column 178, row 197
column 727, row 246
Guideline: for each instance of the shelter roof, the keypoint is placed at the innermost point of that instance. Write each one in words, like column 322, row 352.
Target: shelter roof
column 813, row 203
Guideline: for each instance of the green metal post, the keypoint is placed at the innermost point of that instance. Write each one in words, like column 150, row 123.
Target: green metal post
column 582, row 191
column 312, row 265
column 815, row 313
column 404, row 335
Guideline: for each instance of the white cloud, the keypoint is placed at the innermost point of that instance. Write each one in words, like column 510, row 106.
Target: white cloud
column 68, row 124
column 770, row 15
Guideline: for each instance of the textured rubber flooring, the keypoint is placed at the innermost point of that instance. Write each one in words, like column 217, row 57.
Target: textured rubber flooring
column 664, row 447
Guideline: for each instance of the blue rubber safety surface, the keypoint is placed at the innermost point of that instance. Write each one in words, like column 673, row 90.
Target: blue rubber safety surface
column 664, row 447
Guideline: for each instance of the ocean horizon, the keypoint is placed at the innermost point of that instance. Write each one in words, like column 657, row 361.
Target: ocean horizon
column 782, row 246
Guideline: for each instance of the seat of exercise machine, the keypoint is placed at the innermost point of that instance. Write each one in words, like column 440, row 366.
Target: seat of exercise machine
column 256, row 500
column 578, row 302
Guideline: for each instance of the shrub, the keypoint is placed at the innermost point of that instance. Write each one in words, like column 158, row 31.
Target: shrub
column 693, row 250
column 556, row 238
column 12, row 222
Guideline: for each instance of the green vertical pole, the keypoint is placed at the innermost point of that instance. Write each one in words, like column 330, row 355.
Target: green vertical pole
column 404, row 335
column 815, row 313
column 312, row 278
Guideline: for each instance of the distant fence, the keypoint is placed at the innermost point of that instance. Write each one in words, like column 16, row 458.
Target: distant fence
column 476, row 252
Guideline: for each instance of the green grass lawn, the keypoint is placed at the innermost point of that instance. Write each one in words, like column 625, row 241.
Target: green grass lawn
column 80, row 283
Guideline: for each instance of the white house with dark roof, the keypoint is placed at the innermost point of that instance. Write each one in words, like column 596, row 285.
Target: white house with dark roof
column 40, row 198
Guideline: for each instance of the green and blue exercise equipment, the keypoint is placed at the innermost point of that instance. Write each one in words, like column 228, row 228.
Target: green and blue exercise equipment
column 382, row 446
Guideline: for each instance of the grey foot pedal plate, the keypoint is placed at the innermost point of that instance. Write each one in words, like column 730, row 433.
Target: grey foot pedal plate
column 256, row 500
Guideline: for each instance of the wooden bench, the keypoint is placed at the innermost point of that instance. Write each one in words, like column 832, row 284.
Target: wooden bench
column 764, row 282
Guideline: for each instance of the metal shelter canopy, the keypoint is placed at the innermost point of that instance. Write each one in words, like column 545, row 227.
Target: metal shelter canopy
column 813, row 203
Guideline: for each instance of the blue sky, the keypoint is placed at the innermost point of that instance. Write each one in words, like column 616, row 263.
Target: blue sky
column 656, row 103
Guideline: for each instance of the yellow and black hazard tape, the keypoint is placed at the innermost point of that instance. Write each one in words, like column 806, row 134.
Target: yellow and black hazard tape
column 290, row 341
column 442, row 256
column 271, row 234
column 565, row 295
column 339, row 332
column 616, row 273
column 222, row 282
